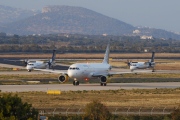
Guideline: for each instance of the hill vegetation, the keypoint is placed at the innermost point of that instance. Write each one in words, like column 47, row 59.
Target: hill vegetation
column 71, row 20
column 9, row 14
column 65, row 19
column 76, row 43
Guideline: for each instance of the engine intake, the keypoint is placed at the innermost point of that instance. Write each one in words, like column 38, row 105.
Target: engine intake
column 63, row 78
column 103, row 79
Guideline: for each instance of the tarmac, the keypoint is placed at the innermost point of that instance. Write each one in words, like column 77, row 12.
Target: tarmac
column 67, row 87
column 88, row 87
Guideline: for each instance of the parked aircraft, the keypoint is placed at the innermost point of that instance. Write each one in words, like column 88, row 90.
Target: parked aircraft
column 87, row 71
column 41, row 64
column 143, row 65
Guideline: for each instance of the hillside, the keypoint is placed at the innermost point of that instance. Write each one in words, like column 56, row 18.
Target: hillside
column 9, row 14
column 73, row 20
column 65, row 19
column 158, row 33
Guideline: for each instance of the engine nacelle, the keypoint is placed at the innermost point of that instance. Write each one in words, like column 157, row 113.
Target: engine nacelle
column 63, row 78
column 103, row 79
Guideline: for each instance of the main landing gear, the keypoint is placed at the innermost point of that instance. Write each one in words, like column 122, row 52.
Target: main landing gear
column 75, row 83
column 103, row 84
column 153, row 70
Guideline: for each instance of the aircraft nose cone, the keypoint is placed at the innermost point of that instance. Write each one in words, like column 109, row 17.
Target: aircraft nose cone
column 29, row 67
column 72, row 74
column 132, row 67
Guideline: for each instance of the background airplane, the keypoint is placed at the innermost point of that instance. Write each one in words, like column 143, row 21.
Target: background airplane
column 142, row 65
column 87, row 71
column 41, row 64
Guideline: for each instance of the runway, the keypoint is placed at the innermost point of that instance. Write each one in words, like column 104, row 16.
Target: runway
column 81, row 87
column 67, row 87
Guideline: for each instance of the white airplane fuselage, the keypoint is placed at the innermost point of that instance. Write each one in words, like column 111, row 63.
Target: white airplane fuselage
column 37, row 64
column 86, row 71
column 140, row 65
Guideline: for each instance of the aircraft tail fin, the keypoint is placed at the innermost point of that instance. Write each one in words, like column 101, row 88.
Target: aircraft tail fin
column 53, row 55
column 106, row 55
column 152, row 58
column 51, row 61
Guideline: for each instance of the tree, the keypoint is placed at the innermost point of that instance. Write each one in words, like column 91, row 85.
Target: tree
column 12, row 108
column 175, row 114
column 96, row 111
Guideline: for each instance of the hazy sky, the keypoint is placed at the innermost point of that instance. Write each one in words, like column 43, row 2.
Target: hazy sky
column 163, row 14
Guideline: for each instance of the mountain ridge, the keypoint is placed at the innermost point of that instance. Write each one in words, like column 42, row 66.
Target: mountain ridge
column 10, row 14
column 77, row 20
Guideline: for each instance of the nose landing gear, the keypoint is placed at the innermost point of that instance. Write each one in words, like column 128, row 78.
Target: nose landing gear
column 75, row 83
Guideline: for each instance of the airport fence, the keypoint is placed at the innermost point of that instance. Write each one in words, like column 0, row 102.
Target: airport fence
column 114, row 110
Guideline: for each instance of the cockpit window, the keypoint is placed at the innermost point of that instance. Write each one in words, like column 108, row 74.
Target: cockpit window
column 133, row 65
column 73, row 68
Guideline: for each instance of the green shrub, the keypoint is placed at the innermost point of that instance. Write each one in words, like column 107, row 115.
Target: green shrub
column 12, row 108
column 96, row 111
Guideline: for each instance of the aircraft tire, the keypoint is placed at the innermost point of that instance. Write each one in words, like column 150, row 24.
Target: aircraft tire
column 104, row 84
column 75, row 83
column 101, row 84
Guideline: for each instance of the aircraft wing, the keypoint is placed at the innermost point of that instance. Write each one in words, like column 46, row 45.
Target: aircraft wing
column 53, row 71
column 111, row 73
column 11, row 60
column 120, row 73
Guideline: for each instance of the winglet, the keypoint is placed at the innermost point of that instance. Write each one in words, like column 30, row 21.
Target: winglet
column 106, row 55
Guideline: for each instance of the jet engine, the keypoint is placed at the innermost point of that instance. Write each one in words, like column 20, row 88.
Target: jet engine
column 63, row 78
column 103, row 80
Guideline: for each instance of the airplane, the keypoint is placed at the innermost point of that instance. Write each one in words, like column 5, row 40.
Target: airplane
column 31, row 64
column 87, row 71
column 143, row 65
column 41, row 64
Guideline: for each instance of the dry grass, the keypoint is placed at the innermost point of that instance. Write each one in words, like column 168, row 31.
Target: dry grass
column 94, row 55
column 134, row 98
